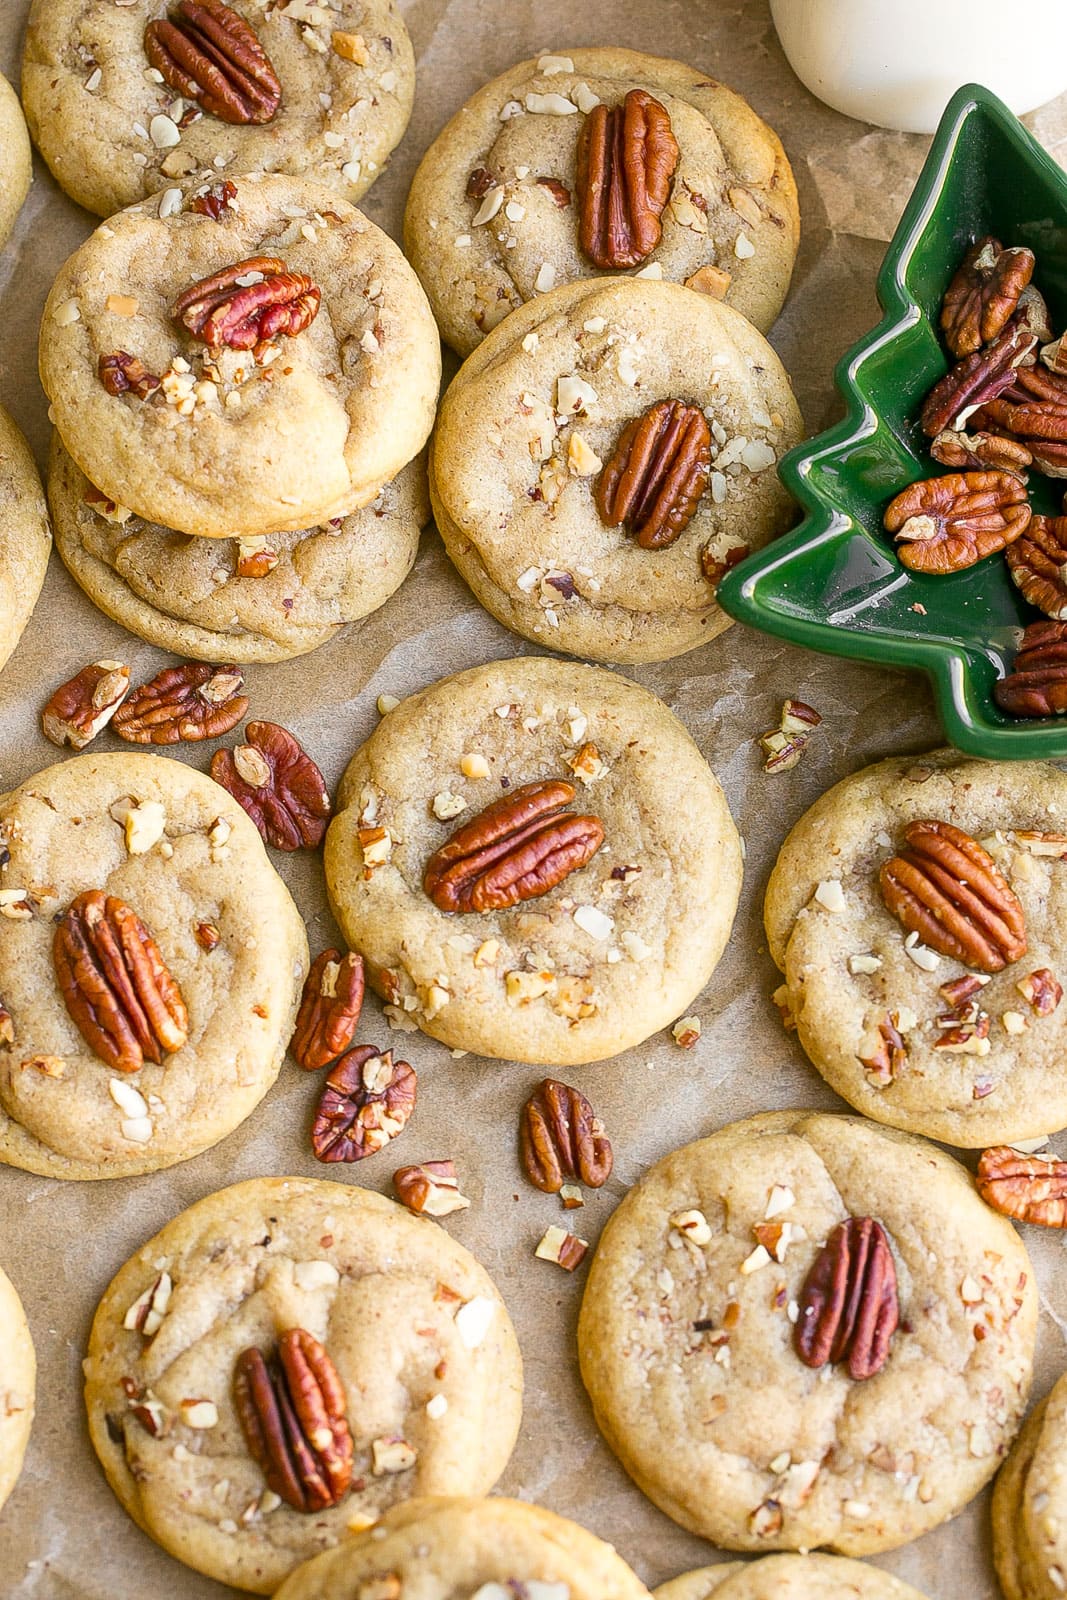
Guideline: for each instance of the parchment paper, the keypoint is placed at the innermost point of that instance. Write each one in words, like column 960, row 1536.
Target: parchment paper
column 62, row 1534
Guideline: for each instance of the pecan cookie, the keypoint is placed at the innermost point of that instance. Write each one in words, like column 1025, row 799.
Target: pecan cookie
column 918, row 912
column 126, row 1044
column 260, row 372
column 807, row 1330
column 16, row 171
column 26, row 537
column 121, row 107
column 284, row 1362
column 1029, row 1544
column 788, row 1577
column 604, row 457
column 513, row 857
column 600, row 159
column 17, row 1378
column 236, row 600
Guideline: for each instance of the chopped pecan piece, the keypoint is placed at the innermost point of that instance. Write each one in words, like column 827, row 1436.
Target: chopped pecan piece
column 981, row 452
column 193, row 702
column 890, row 1054
column 1038, row 685
column 115, row 983
column 626, row 159
column 848, row 1305
column 121, row 373
column 252, row 301
column 209, row 54
column 1041, row 990
column 1039, row 567
column 367, row 1101
column 518, row 848
column 1028, row 1188
column 82, row 707
column 430, row 1190
column 292, row 1414
column 946, row 524
column 479, row 183
column 984, row 294
column 947, row 889
column 329, row 1009
column 976, row 381
column 561, row 1137
column 214, row 201
column 561, row 195
column 278, row 784
column 653, row 483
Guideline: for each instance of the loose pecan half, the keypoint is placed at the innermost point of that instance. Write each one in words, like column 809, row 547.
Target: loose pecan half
column 981, row 452
column 975, row 381
column 518, row 848
column 209, row 54
column 121, row 373
column 848, row 1305
column 561, row 1138
column 329, row 1009
column 292, row 1413
column 82, row 707
column 1028, row 1188
column 947, row 889
column 626, row 159
column 245, row 304
column 983, row 294
column 278, row 784
column 1039, row 567
column 1038, row 685
column 653, row 483
column 946, row 524
column 367, row 1101
column 115, row 983
column 430, row 1190
column 193, row 702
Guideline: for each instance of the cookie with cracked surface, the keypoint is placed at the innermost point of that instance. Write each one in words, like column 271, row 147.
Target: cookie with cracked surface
column 169, row 844
column 26, row 539
column 527, row 436
column 413, row 1326
column 788, row 1577
column 113, row 131
column 225, row 424
column 1029, row 1548
column 188, row 595
column 623, row 939
column 17, row 1383
column 16, row 169
column 972, row 1068
column 692, row 1326
column 495, row 214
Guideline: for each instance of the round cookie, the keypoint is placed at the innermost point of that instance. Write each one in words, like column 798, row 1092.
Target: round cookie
column 515, row 465
column 438, row 1549
column 16, row 165
column 967, row 1090
column 406, row 1315
column 612, row 952
column 94, row 102
column 193, row 858
column 1029, row 1500
column 184, row 594
column 26, row 538
column 493, row 214
column 18, row 1371
column 233, row 442
column 686, row 1342
column 788, row 1578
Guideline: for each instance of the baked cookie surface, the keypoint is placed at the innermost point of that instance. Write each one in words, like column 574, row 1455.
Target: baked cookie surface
column 530, row 426
column 614, row 950
column 986, row 1071
column 444, row 1548
column 687, row 1338
column 25, row 536
column 17, row 1382
column 1029, row 1501
column 407, row 1317
column 494, row 214
column 227, row 441
column 788, row 1577
column 112, row 131
column 188, row 856
column 187, row 594
column 16, row 166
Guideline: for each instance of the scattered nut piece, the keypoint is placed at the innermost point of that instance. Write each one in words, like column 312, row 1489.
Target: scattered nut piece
column 561, row 1247
column 431, row 1189
column 686, row 1032
column 82, row 707
column 692, row 1225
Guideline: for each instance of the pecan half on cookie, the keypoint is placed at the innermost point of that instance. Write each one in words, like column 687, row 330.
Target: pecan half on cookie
column 848, row 1306
column 193, row 702
column 626, row 160
column 654, row 481
column 983, row 294
column 248, row 303
column 278, row 784
column 292, row 1414
column 947, row 524
column 209, row 54
column 947, row 889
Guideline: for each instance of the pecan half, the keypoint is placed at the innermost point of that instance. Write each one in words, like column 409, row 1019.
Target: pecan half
column 653, row 483
column 983, row 294
column 1028, row 1188
column 561, row 1138
column 278, row 784
column 83, row 706
column 193, row 702
column 848, row 1305
column 121, row 373
column 1034, row 407
column 115, row 983
column 946, row 888
column 209, row 54
column 981, row 451
column 976, row 381
column 518, row 848
column 292, row 1413
column 1038, row 685
column 247, row 303
column 367, row 1101
column 626, row 159
column 946, row 524
column 1039, row 566
column 430, row 1190
column 329, row 1009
